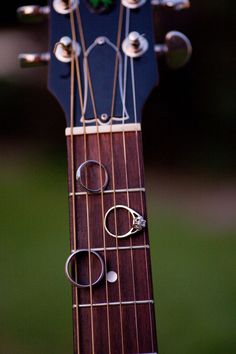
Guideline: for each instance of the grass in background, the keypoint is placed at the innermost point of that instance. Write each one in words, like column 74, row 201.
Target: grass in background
column 193, row 270
column 195, row 289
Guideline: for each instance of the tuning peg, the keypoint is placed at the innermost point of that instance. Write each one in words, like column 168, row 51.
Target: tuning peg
column 64, row 49
column 135, row 45
column 173, row 4
column 177, row 48
column 30, row 60
column 33, row 13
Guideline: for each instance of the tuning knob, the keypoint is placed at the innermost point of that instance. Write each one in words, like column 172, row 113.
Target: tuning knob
column 30, row 60
column 173, row 4
column 33, row 13
column 177, row 48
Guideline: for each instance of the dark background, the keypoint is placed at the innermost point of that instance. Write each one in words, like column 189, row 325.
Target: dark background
column 189, row 145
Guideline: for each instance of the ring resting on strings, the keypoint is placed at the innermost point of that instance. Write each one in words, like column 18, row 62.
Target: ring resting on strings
column 82, row 176
column 138, row 222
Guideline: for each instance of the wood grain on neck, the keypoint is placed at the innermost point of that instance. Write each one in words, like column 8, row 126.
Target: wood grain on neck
column 121, row 317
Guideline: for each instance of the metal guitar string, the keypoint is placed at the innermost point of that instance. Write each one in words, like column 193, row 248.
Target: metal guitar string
column 101, row 41
column 121, row 12
column 138, row 157
column 127, row 20
column 89, row 80
column 100, row 162
column 141, row 197
column 73, row 176
column 127, row 26
column 73, row 190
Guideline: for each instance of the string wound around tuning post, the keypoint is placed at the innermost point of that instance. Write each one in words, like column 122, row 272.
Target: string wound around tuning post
column 65, row 49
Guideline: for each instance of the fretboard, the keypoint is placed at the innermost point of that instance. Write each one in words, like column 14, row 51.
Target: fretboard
column 116, row 315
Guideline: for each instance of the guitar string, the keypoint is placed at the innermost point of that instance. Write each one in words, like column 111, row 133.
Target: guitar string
column 138, row 157
column 100, row 170
column 145, row 251
column 121, row 322
column 105, row 40
column 131, row 242
column 127, row 25
column 127, row 21
column 120, row 22
column 141, row 198
column 81, row 32
column 103, row 213
column 100, row 176
column 75, row 291
column 73, row 30
column 117, row 59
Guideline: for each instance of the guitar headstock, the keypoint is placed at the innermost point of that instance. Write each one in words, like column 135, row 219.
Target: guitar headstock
column 102, row 33
column 105, row 50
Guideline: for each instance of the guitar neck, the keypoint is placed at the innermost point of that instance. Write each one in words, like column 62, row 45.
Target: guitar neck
column 102, row 69
column 113, row 307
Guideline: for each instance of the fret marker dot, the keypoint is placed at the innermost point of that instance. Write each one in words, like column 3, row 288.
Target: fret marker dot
column 112, row 277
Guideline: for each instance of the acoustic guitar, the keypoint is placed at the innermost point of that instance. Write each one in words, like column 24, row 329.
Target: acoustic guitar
column 102, row 67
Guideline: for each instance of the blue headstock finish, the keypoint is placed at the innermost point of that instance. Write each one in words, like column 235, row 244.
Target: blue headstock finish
column 100, row 22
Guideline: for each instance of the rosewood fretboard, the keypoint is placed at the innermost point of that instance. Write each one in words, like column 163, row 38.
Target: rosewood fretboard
column 111, row 317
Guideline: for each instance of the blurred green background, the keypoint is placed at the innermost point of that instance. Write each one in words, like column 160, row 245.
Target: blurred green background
column 190, row 165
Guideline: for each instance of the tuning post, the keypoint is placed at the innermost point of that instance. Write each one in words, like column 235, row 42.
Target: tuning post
column 64, row 7
column 133, row 4
column 177, row 48
column 33, row 13
column 65, row 48
column 135, row 45
column 30, row 60
column 172, row 4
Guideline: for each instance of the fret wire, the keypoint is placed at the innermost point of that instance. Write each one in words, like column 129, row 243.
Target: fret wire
column 130, row 190
column 97, row 249
column 115, row 303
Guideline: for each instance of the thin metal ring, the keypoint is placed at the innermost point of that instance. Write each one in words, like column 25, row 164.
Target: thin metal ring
column 79, row 179
column 138, row 221
column 101, row 275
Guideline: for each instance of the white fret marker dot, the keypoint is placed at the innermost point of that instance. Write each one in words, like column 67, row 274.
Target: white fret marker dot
column 112, row 276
